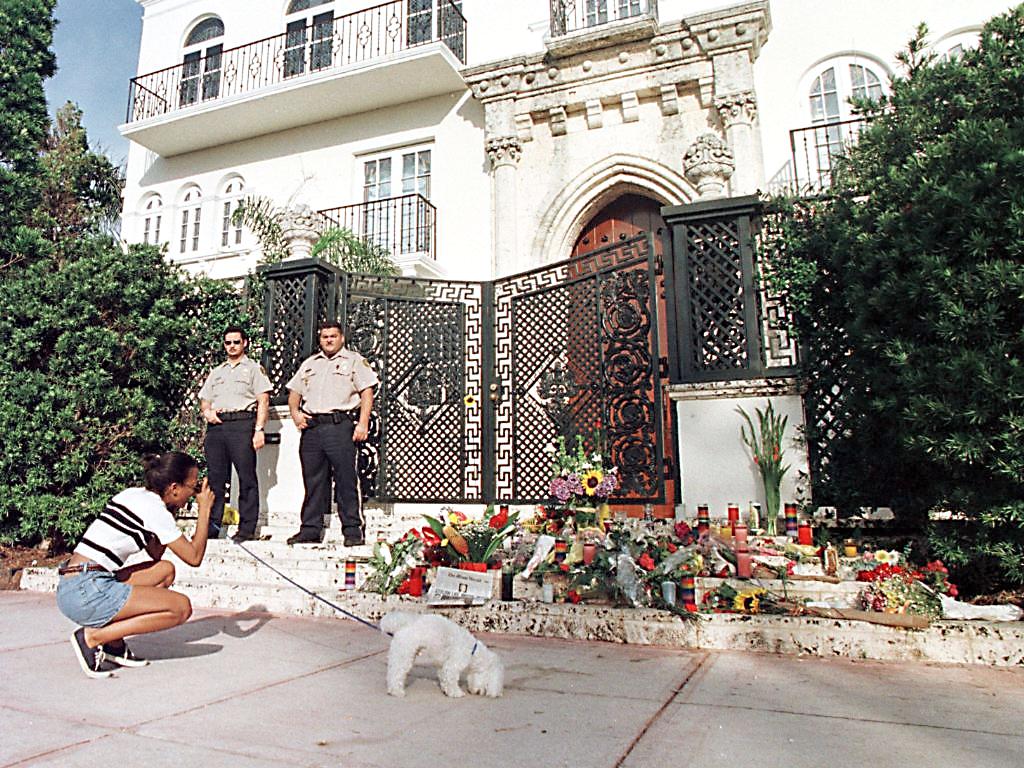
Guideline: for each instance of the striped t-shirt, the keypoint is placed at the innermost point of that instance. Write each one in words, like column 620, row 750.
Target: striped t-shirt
column 130, row 518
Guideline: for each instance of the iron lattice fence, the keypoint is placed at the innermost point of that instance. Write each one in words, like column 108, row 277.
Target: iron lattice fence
column 576, row 350
column 726, row 320
column 478, row 380
column 826, row 388
column 425, row 338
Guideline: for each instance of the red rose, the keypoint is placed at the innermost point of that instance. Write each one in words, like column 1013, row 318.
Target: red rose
column 573, row 596
column 953, row 591
column 564, row 566
column 646, row 562
column 671, row 547
column 499, row 521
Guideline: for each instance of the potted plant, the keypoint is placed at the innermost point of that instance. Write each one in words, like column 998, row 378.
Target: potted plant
column 765, row 443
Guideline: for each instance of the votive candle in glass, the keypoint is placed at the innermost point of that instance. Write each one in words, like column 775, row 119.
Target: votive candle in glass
column 791, row 520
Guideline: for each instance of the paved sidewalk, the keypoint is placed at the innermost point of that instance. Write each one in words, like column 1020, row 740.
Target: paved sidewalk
column 249, row 689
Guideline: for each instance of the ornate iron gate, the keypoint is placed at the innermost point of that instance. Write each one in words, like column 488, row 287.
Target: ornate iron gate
column 478, row 380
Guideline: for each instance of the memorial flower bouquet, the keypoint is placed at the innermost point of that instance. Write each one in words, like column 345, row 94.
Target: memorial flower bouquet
column 391, row 563
column 581, row 479
column 472, row 541
column 895, row 589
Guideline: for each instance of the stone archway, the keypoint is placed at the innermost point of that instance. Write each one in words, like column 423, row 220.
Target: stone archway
column 596, row 187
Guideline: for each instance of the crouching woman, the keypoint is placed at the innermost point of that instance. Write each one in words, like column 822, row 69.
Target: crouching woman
column 110, row 601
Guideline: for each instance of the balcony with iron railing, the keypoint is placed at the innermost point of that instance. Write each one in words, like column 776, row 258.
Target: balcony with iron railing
column 373, row 58
column 814, row 151
column 404, row 226
column 578, row 17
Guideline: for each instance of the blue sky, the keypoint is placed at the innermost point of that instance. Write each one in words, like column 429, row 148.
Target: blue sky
column 97, row 47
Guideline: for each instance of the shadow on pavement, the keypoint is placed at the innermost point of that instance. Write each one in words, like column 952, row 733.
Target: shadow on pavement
column 184, row 642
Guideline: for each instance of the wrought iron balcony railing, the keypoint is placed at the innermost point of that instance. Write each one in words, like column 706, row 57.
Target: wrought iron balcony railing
column 357, row 37
column 814, row 151
column 403, row 226
column 569, row 16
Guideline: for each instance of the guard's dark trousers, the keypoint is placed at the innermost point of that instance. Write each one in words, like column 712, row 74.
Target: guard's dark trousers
column 226, row 444
column 327, row 449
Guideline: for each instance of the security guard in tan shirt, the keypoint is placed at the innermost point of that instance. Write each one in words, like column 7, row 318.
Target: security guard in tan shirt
column 330, row 398
column 235, row 401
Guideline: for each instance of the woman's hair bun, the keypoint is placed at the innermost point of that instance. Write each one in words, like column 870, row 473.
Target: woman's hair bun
column 150, row 460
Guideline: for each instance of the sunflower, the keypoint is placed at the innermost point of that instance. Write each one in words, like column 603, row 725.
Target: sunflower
column 590, row 480
column 748, row 602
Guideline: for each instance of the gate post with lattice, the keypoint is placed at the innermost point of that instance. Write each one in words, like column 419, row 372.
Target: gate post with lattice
column 300, row 294
column 730, row 348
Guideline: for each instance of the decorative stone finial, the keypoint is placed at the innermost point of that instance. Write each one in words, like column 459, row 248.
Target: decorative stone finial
column 300, row 227
column 708, row 164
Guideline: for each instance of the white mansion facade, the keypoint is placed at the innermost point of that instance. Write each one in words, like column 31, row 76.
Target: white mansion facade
column 478, row 138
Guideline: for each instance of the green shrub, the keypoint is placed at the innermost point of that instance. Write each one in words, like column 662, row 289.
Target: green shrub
column 908, row 285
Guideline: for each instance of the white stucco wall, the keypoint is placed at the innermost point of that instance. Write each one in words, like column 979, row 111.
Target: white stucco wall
column 715, row 465
column 320, row 165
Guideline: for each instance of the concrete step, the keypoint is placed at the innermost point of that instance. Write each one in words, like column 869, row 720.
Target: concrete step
column 275, row 596
column 315, row 566
column 381, row 524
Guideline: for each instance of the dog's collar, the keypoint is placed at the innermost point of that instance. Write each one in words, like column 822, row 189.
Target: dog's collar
column 475, row 644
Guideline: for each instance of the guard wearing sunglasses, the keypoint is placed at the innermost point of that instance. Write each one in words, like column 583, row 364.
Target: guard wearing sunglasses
column 235, row 400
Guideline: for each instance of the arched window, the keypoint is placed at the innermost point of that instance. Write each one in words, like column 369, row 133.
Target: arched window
column 191, row 209
column 836, row 84
column 207, row 29
column 201, row 69
column 830, row 88
column 304, row 5
column 152, row 217
column 231, row 196
column 309, row 42
column 953, row 44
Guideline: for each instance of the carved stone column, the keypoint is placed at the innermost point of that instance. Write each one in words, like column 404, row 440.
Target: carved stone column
column 708, row 164
column 503, row 152
column 300, row 229
column 738, row 112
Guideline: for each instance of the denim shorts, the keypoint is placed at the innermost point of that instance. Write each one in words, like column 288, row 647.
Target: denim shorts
column 93, row 598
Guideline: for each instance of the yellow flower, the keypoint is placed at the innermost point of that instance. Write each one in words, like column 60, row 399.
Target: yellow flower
column 749, row 601
column 881, row 556
column 591, row 479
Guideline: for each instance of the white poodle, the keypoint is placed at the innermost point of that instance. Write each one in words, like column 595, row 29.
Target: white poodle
column 447, row 646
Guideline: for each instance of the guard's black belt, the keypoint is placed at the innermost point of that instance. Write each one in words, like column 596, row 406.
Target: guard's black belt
column 236, row 415
column 335, row 417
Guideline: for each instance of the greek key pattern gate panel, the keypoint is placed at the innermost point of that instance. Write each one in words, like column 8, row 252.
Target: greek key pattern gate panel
column 573, row 356
column 424, row 338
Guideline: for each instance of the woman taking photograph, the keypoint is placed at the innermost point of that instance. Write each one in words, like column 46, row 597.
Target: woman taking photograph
column 110, row 601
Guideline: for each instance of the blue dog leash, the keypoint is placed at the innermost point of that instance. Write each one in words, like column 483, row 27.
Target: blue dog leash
column 310, row 592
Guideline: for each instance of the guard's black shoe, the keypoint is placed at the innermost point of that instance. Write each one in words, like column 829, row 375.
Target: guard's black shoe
column 90, row 659
column 119, row 653
column 354, row 541
column 304, row 538
column 240, row 537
